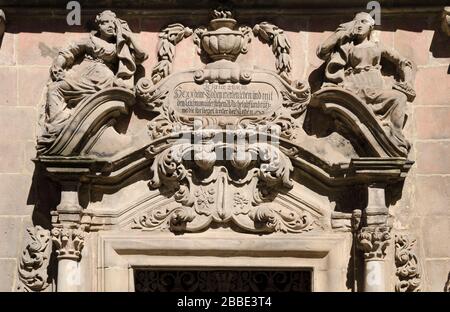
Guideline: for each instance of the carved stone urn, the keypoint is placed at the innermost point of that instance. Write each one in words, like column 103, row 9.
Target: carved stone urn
column 223, row 42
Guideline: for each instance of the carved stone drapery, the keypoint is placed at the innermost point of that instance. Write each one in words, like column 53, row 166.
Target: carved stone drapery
column 353, row 64
column 68, row 243
column 373, row 241
column 34, row 261
column 408, row 272
column 108, row 59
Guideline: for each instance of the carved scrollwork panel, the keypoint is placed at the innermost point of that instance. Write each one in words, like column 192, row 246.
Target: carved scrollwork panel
column 34, row 261
column 408, row 271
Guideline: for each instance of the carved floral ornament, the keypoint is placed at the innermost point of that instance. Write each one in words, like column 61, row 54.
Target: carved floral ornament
column 408, row 271
column 34, row 261
column 257, row 115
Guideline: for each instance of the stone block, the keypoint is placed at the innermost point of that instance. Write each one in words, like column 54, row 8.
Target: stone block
column 436, row 231
column 433, row 157
column 8, row 269
column 10, row 230
column 18, row 123
column 7, row 51
column 432, row 196
column 12, row 156
column 8, row 86
column 432, row 122
column 414, row 46
column 432, row 86
column 15, row 191
column 32, row 82
column 436, row 274
column 40, row 39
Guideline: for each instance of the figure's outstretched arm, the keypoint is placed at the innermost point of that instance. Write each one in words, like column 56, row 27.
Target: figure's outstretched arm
column 65, row 59
column 405, row 69
column 403, row 65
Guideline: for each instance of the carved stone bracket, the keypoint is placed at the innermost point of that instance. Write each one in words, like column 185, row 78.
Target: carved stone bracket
column 68, row 242
column 169, row 38
column 408, row 273
column 281, row 47
column 373, row 241
column 33, row 263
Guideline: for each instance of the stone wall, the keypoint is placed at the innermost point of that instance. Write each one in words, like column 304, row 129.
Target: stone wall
column 32, row 41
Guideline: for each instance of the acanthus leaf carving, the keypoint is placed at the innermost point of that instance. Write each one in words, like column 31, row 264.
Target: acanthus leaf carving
column 373, row 241
column 408, row 272
column 34, row 261
column 68, row 242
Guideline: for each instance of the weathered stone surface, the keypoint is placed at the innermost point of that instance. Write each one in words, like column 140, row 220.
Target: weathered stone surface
column 7, row 50
column 436, row 242
column 432, row 86
column 13, row 116
column 215, row 199
column 13, row 160
column 431, row 159
column 8, row 87
column 15, row 192
column 432, row 122
column 437, row 274
column 432, row 195
column 10, row 231
column 414, row 45
column 8, row 273
column 31, row 85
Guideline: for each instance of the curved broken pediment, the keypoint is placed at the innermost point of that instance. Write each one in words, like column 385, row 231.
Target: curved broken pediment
column 224, row 145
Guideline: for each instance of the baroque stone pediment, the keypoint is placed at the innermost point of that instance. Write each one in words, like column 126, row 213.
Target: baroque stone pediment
column 223, row 142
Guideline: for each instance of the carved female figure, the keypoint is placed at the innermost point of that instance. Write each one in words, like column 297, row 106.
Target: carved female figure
column 107, row 58
column 353, row 62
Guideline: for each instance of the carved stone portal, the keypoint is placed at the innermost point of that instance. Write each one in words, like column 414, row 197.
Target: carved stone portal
column 226, row 146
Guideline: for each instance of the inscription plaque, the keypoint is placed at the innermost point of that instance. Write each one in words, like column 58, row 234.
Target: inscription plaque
column 227, row 99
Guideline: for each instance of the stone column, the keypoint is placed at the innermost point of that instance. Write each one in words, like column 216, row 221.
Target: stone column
column 68, row 243
column 374, row 238
column 373, row 241
column 68, row 237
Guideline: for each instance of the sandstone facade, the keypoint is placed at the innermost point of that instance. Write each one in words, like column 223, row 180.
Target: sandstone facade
column 333, row 190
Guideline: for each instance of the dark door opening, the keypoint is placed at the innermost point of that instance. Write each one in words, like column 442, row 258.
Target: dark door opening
column 154, row 280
